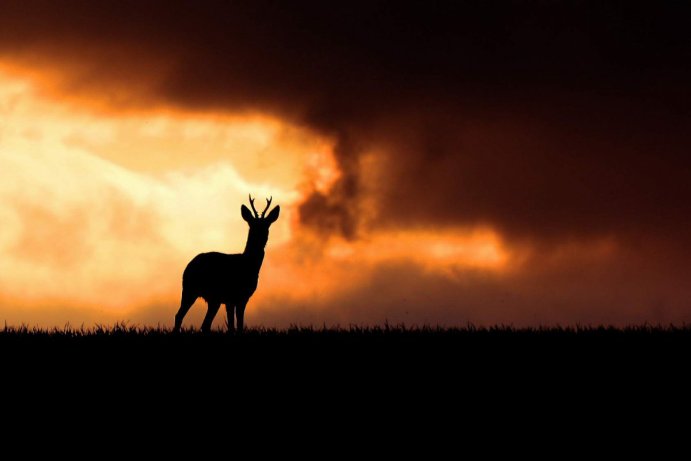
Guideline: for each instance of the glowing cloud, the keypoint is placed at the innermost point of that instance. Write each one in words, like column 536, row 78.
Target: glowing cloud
column 102, row 211
column 105, row 210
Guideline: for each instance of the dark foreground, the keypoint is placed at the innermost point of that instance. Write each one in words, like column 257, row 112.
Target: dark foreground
column 414, row 352
column 439, row 381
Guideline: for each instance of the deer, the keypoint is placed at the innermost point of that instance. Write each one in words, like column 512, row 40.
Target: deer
column 229, row 279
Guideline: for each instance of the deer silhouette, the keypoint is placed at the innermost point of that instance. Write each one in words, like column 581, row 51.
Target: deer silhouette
column 228, row 279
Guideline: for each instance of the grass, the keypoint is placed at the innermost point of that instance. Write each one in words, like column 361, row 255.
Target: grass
column 126, row 330
column 498, row 344
column 397, row 368
column 385, row 336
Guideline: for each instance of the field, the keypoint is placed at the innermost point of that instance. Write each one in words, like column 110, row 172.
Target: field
column 394, row 375
column 442, row 349
column 494, row 337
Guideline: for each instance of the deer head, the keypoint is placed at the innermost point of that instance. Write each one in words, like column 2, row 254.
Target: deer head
column 259, row 224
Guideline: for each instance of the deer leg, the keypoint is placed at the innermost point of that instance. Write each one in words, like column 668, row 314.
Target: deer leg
column 240, row 311
column 185, row 304
column 230, row 317
column 210, row 314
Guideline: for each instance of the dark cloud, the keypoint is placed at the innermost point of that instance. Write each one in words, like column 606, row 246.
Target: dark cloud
column 562, row 175
column 547, row 120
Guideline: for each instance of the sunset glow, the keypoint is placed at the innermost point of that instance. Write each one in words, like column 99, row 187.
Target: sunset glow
column 98, row 203
column 101, row 204
column 521, row 164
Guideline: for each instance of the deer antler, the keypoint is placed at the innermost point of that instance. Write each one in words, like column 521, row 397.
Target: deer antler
column 252, row 205
column 268, row 204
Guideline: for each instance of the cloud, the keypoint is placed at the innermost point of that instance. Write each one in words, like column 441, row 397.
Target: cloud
column 81, row 231
column 541, row 119
column 576, row 290
column 555, row 125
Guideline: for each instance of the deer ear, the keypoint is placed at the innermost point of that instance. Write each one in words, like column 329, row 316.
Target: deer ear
column 246, row 214
column 273, row 216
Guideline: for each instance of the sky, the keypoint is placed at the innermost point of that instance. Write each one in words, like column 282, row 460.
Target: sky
column 516, row 162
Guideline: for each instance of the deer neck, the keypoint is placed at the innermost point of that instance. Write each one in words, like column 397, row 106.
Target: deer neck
column 254, row 253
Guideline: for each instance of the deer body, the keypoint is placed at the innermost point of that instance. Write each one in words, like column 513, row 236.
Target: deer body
column 220, row 277
column 229, row 279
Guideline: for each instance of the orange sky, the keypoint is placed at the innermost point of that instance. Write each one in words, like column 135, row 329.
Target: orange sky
column 441, row 164
column 102, row 210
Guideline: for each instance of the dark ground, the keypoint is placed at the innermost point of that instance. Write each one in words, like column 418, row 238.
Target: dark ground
column 386, row 353
column 353, row 387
